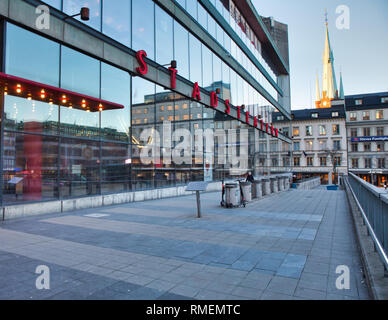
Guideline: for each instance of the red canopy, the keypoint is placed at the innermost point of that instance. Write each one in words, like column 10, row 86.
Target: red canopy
column 20, row 87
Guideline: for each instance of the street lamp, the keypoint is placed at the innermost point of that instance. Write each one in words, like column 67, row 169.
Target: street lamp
column 84, row 13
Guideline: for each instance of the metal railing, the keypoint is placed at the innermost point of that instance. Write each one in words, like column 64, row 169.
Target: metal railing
column 373, row 205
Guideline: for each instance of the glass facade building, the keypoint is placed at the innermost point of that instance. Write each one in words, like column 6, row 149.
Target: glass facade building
column 53, row 151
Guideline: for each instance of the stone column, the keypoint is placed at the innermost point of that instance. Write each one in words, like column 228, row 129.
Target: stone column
column 266, row 186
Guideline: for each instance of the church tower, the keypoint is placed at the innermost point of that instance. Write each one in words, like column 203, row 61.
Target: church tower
column 329, row 83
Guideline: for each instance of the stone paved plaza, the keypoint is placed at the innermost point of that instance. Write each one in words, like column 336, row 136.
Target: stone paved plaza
column 285, row 246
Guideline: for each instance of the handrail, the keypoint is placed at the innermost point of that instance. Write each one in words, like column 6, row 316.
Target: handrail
column 378, row 246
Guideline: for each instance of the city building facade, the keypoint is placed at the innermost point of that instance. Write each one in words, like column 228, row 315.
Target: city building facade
column 319, row 143
column 78, row 94
column 367, row 136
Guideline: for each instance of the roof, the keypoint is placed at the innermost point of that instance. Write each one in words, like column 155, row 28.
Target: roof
column 369, row 101
column 306, row 114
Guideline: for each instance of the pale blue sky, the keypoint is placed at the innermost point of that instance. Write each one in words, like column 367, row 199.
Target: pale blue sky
column 361, row 52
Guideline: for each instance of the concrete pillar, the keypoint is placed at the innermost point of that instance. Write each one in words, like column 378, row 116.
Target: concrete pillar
column 281, row 183
column 259, row 189
column 330, row 176
column 266, row 186
column 274, row 185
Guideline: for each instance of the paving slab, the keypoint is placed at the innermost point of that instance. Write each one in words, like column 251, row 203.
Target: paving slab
column 287, row 246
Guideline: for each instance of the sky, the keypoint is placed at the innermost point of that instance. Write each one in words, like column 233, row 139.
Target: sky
column 360, row 52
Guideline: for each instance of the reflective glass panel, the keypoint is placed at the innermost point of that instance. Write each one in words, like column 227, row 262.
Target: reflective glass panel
column 143, row 27
column 31, row 56
column 72, row 7
column 117, row 20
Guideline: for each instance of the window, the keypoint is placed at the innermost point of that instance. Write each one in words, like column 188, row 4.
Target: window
column 71, row 7
column 309, row 145
column 336, row 129
column 365, row 115
column 337, row 161
column 296, row 146
column 275, row 162
column 384, row 100
column 274, row 146
column 280, row 118
column 380, row 131
column 366, row 132
column 309, row 130
column 286, row 131
column 323, row 161
column 314, row 115
column 296, row 161
column 41, row 62
column 295, row 131
column 380, row 146
column 143, row 27
column 322, row 130
column 181, row 49
column 163, row 36
column 381, row 163
column 358, row 102
column 310, row 161
column 353, row 116
column 355, row 163
column 115, row 87
column 335, row 114
column 322, row 145
column 379, row 115
column 368, row 162
column 353, row 132
column 117, row 23
column 367, row 147
column 336, row 145
column 354, row 147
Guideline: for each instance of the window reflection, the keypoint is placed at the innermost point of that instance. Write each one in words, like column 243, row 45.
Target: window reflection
column 72, row 7
column 116, row 168
column 80, row 73
column 30, row 115
column 181, row 49
column 195, row 60
column 79, row 168
column 31, row 56
column 164, row 36
column 29, row 167
column 117, row 20
column 115, row 87
column 143, row 27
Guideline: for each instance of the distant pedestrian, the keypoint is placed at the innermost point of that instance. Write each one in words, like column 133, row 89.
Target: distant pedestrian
column 385, row 186
column 250, row 177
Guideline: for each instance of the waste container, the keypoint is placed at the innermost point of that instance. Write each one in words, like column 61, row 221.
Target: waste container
column 247, row 190
column 232, row 194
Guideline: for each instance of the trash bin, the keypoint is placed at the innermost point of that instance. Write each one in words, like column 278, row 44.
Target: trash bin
column 232, row 194
column 247, row 190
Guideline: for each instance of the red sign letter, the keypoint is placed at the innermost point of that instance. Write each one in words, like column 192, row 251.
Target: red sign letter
column 213, row 99
column 267, row 127
column 140, row 59
column 272, row 132
column 247, row 117
column 227, row 107
column 255, row 122
column 173, row 73
column 261, row 124
column 196, row 94
column 238, row 112
column 276, row 132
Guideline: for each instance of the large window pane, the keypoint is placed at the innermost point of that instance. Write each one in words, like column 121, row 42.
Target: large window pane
column 181, row 49
column 29, row 115
column 72, row 7
column 31, row 56
column 80, row 168
column 143, row 27
column 164, row 36
column 117, row 20
column 195, row 60
column 116, row 168
column 80, row 73
column 29, row 168
column 115, row 87
column 54, row 3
